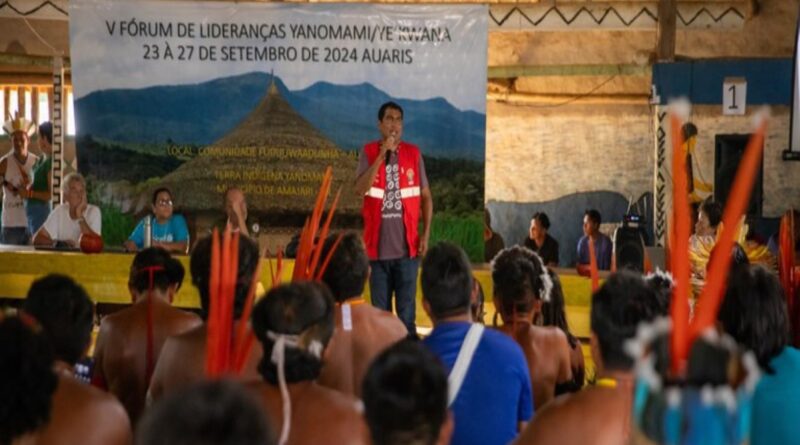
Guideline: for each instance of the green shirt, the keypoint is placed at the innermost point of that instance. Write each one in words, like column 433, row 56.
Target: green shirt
column 41, row 172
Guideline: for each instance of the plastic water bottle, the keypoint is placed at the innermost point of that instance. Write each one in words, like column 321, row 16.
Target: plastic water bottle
column 148, row 231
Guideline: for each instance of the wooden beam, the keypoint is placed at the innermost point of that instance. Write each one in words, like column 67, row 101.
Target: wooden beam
column 513, row 71
column 568, row 99
column 41, row 79
column 28, row 60
column 665, row 33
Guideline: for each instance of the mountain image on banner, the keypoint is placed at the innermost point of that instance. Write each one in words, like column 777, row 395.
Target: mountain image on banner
column 275, row 156
column 204, row 113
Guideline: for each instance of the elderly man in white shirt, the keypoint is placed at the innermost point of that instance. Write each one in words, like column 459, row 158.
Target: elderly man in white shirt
column 71, row 219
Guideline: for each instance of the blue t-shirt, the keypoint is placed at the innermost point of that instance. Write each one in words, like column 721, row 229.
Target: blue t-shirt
column 173, row 231
column 776, row 403
column 496, row 392
column 602, row 250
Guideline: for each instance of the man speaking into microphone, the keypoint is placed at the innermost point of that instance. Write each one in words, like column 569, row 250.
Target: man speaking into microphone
column 391, row 178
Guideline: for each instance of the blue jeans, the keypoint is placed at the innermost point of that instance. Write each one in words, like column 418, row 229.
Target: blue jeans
column 15, row 235
column 37, row 212
column 399, row 277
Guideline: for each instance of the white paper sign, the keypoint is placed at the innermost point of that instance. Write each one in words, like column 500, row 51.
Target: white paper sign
column 734, row 96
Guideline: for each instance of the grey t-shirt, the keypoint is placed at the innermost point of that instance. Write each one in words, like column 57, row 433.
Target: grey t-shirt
column 392, row 241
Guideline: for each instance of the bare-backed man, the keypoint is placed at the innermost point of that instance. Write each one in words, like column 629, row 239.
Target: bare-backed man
column 362, row 331
column 129, row 345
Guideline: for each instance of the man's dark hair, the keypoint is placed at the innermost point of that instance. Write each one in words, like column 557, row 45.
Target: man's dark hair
column 446, row 280
column 517, row 275
column 754, row 312
column 386, row 106
column 713, row 211
column 46, row 131
column 210, row 413
column 487, row 218
column 594, row 216
column 624, row 301
column 167, row 271
column 663, row 286
column 27, row 380
column 65, row 313
column 200, row 267
column 554, row 312
column 304, row 309
column 689, row 129
column 544, row 221
column 159, row 190
column 405, row 395
column 348, row 269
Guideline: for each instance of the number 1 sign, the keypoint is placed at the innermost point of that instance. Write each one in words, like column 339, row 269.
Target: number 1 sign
column 734, row 96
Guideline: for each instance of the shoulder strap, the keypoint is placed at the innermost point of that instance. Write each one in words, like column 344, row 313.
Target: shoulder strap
column 464, row 359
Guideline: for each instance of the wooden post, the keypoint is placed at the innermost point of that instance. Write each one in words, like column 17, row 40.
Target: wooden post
column 21, row 101
column 7, row 110
column 59, row 127
column 665, row 36
column 35, row 105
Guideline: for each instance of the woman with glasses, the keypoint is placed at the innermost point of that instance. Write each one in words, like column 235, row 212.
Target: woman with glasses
column 167, row 230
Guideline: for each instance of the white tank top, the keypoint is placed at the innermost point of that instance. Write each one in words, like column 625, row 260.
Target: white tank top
column 14, row 206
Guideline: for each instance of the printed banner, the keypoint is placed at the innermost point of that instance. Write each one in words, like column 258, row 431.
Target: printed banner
column 202, row 96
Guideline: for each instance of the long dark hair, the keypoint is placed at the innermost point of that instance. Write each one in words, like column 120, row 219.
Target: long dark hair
column 554, row 312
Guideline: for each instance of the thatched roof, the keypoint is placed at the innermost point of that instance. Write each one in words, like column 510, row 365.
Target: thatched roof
column 275, row 155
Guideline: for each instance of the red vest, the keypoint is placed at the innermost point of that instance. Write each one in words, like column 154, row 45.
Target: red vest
column 408, row 163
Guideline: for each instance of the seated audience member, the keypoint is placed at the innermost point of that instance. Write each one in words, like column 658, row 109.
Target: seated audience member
column 600, row 415
column 521, row 285
column 38, row 206
column 703, row 240
column 554, row 314
column 754, row 313
column 490, row 390
column 80, row 413
column 492, row 241
column 73, row 218
column 131, row 339
column 183, row 357
column 167, row 229
column 210, row 413
column 294, row 323
column 28, row 381
column 602, row 243
column 16, row 174
column 362, row 331
column 405, row 397
column 539, row 241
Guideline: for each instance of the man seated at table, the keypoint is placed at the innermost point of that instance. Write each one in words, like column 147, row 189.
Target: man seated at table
column 236, row 217
column 131, row 339
column 539, row 241
column 72, row 219
column 602, row 243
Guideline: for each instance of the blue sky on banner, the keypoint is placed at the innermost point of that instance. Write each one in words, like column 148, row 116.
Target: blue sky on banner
column 427, row 51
